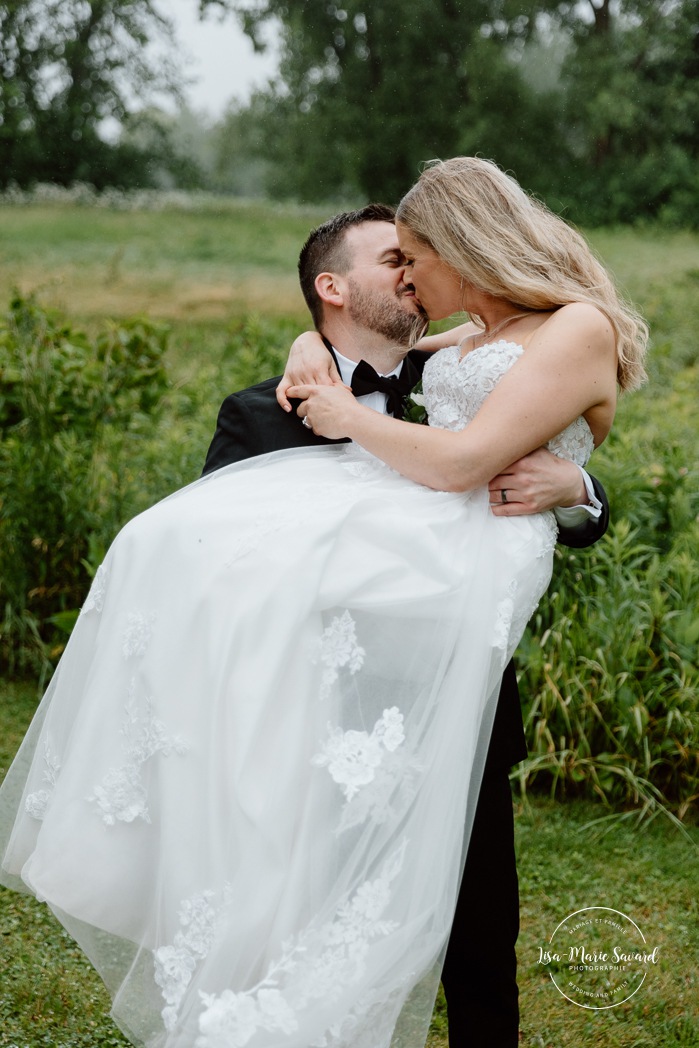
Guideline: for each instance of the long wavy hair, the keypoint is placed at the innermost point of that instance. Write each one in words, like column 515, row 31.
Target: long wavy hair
column 504, row 242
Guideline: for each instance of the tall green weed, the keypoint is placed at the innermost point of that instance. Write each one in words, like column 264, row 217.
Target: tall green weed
column 69, row 404
column 610, row 673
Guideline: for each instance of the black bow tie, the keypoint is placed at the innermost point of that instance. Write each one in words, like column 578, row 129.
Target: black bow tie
column 395, row 387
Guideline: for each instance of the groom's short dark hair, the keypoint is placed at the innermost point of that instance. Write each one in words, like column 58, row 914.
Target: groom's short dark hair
column 326, row 251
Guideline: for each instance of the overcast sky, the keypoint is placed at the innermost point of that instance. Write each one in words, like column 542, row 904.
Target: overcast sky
column 223, row 64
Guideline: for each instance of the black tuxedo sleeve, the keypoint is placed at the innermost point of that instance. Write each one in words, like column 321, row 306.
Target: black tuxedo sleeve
column 587, row 533
column 252, row 423
column 236, row 436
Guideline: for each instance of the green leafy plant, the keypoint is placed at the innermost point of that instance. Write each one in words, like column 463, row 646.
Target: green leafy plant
column 68, row 405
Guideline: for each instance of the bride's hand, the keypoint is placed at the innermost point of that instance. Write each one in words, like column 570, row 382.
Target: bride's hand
column 309, row 363
column 326, row 408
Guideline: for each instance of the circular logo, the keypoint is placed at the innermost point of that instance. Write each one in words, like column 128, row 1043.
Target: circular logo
column 598, row 958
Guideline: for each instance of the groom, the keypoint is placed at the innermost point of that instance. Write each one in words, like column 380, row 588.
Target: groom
column 351, row 272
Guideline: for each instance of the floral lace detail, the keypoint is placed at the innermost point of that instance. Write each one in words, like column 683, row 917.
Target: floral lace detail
column 98, row 590
column 361, row 464
column 549, row 528
column 36, row 803
column 370, row 1024
column 318, row 967
column 175, row 965
column 455, row 388
column 503, row 623
column 352, row 757
column 121, row 796
column 512, row 620
column 261, row 527
column 137, row 633
column 337, row 648
column 302, row 504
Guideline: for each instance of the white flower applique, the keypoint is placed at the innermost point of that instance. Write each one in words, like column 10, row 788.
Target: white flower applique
column 121, row 796
column 352, row 757
column 503, row 622
column 336, row 649
column 137, row 633
column 511, row 620
column 36, row 803
column 318, row 967
column 548, row 528
column 249, row 541
column 175, row 965
column 98, row 590
column 370, row 1024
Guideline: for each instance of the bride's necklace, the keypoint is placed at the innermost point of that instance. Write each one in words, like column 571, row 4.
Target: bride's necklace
column 488, row 333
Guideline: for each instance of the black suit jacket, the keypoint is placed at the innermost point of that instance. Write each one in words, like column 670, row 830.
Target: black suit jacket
column 252, row 423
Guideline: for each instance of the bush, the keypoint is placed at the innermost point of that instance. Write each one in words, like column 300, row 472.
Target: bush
column 611, row 676
column 68, row 404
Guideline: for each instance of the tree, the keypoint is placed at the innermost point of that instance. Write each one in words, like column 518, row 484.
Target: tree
column 632, row 110
column 367, row 91
column 69, row 65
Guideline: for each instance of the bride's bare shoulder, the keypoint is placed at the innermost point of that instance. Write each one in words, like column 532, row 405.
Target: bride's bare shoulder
column 578, row 326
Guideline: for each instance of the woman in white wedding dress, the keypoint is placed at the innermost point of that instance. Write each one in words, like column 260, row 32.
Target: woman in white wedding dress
column 245, row 791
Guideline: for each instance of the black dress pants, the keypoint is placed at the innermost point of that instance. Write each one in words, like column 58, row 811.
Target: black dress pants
column 480, row 969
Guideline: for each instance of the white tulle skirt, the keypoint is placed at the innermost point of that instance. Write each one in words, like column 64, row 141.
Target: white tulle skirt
column 248, row 789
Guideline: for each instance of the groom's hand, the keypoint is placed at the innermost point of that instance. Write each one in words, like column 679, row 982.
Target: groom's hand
column 535, row 483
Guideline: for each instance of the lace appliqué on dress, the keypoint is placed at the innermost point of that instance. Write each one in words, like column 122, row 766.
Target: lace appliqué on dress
column 361, row 464
column 352, row 757
column 122, row 796
column 175, row 965
column 318, row 967
column 36, row 803
column 98, row 590
column 137, row 633
column 503, row 623
column 337, row 648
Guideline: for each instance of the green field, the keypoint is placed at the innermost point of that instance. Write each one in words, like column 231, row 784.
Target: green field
column 610, row 680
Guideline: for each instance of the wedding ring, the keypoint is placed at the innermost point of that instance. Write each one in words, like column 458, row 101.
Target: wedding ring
column 305, row 422
column 503, row 495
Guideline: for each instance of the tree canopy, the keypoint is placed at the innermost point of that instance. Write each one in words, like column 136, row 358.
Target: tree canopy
column 67, row 66
column 591, row 103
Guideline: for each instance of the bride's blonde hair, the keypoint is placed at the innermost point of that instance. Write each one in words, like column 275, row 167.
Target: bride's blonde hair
column 508, row 244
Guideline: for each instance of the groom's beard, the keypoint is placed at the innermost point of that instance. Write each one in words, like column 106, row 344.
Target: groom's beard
column 385, row 315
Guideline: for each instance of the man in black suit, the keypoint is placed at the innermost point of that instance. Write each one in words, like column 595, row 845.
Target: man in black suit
column 351, row 272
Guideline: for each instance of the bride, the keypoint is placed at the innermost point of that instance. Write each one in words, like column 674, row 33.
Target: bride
column 247, row 792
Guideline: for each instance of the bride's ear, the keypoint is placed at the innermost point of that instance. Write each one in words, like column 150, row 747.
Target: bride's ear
column 328, row 286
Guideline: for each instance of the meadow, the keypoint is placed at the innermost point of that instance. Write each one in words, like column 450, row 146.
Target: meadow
column 609, row 670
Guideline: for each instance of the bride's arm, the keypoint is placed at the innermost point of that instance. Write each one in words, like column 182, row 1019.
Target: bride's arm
column 310, row 364
column 450, row 337
column 568, row 369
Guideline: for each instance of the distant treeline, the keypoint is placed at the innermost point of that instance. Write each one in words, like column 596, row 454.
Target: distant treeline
column 594, row 105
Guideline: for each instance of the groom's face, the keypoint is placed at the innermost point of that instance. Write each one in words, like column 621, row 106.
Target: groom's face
column 378, row 297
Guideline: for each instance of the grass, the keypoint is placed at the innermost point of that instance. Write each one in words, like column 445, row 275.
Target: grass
column 202, row 265
column 50, row 996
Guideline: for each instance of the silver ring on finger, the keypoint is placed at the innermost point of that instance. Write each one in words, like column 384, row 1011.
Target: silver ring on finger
column 503, row 495
column 305, row 422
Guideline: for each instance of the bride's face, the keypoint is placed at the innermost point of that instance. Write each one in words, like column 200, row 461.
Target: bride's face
column 439, row 288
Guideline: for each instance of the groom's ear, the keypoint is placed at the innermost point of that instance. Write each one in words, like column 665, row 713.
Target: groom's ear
column 330, row 289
